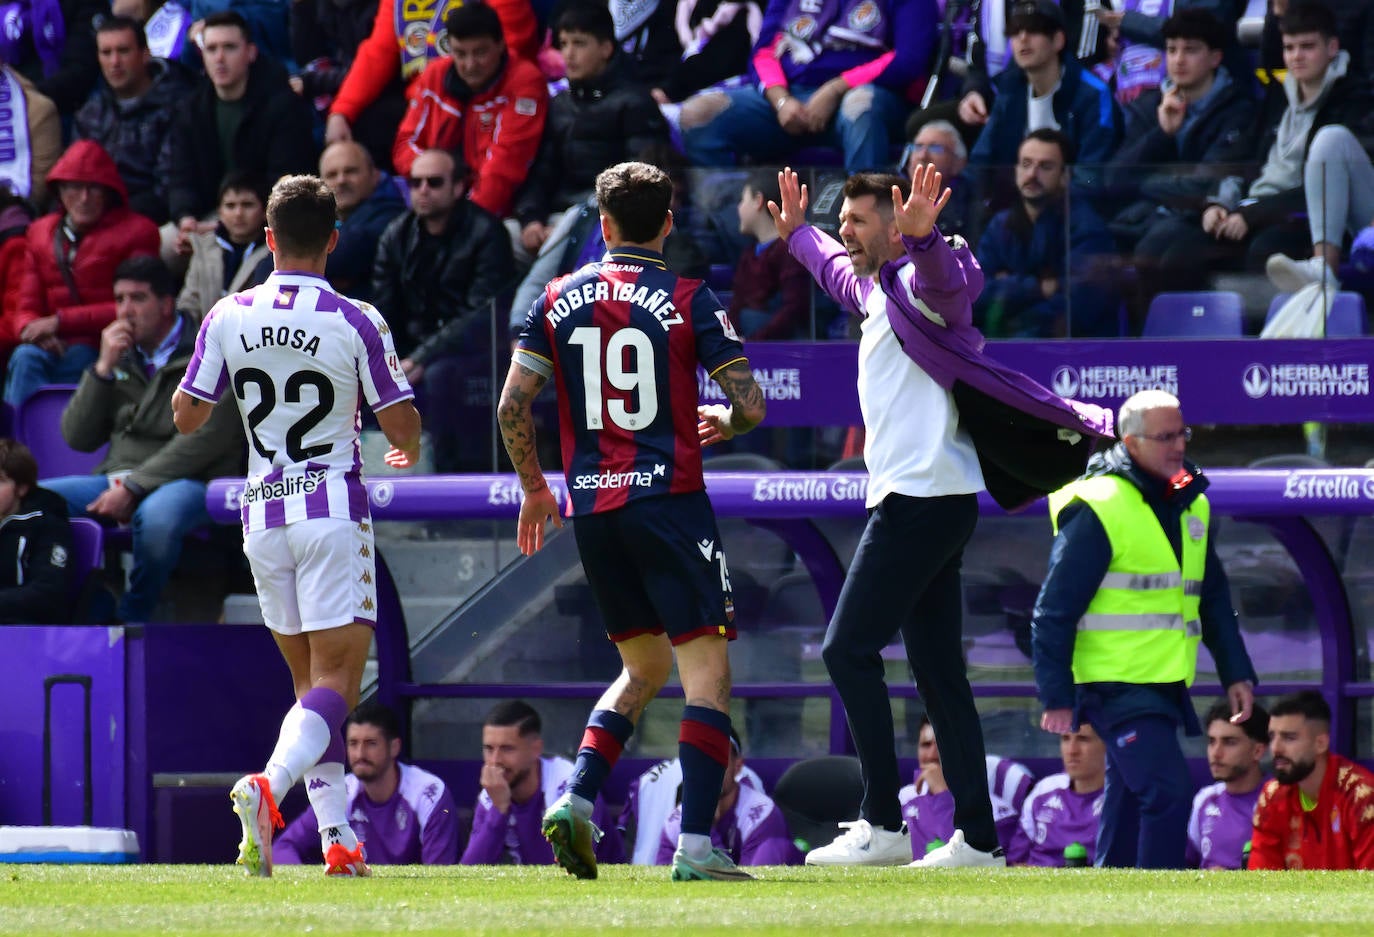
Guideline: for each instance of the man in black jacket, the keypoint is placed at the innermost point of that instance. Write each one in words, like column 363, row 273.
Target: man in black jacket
column 242, row 116
column 35, row 544
column 1246, row 224
column 441, row 268
column 131, row 113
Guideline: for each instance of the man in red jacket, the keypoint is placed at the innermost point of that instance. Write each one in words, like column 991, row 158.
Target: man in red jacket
column 1317, row 812
column 67, row 292
column 480, row 101
column 405, row 37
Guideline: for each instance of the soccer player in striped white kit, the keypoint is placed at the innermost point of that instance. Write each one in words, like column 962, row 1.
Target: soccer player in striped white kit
column 299, row 358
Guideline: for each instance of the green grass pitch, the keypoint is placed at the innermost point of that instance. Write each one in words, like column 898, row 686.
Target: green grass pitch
column 788, row 902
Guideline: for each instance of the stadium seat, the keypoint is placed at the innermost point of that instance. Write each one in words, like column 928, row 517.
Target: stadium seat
column 854, row 463
column 1214, row 314
column 815, row 795
column 88, row 548
column 37, row 424
column 741, row 462
column 1287, row 460
column 1345, row 320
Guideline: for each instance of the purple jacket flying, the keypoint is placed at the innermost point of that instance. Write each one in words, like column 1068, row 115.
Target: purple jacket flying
column 516, row 837
column 1030, row 441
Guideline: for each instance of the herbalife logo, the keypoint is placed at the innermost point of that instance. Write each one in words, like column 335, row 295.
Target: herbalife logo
column 316, row 783
column 1306, row 380
column 1112, row 380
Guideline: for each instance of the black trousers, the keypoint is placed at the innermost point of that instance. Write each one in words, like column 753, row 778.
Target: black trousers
column 905, row 578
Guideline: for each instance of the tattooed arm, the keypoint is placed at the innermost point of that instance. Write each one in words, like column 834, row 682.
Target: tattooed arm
column 746, row 410
column 517, row 433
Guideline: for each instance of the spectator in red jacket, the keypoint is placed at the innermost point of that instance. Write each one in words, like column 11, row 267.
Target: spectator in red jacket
column 15, row 218
column 482, row 102
column 405, row 38
column 67, row 293
column 1317, row 812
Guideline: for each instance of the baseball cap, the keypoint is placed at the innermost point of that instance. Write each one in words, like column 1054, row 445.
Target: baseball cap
column 1036, row 16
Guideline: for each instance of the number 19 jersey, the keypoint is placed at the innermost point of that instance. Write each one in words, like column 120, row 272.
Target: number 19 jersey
column 299, row 358
column 622, row 338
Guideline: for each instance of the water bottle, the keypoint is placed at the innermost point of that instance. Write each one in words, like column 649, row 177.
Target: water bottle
column 933, row 845
column 1075, row 856
column 1245, row 855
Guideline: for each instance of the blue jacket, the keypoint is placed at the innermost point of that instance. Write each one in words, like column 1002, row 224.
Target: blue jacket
column 1083, row 106
column 1078, row 561
column 350, row 266
column 1016, row 254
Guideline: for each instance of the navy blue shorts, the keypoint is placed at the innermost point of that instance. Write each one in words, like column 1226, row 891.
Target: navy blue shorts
column 656, row 567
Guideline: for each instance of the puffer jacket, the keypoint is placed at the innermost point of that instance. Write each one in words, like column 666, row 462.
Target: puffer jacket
column 591, row 126
column 133, row 413
column 120, row 234
column 134, row 135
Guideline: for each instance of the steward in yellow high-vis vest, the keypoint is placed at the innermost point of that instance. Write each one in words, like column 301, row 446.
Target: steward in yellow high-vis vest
column 1134, row 584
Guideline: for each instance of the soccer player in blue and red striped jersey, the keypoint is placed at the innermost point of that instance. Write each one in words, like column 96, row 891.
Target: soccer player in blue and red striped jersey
column 622, row 337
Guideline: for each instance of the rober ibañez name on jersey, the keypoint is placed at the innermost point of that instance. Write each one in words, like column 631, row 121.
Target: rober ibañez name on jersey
column 284, row 487
column 655, row 303
column 284, row 337
column 1325, row 486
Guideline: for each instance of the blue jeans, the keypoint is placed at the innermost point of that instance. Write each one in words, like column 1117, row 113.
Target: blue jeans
column 160, row 522
column 31, row 367
column 868, row 119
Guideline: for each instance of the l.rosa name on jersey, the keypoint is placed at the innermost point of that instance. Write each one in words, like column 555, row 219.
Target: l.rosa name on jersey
column 283, row 336
column 655, row 303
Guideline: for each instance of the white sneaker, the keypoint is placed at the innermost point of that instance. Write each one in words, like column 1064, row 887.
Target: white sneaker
column 957, row 854
column 861, row 843
column 1291, row 275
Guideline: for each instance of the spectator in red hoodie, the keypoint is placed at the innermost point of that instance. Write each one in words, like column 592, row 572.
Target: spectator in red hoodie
column 15, row 218
column 406, row 37
column 481, row 102
column 67, row 292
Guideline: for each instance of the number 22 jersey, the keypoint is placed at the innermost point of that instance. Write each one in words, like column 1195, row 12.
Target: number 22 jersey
column 622, row 337
column 299, row 358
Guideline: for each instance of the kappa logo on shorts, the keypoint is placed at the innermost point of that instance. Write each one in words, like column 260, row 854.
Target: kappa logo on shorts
column 365, row 578
column 707, row 548
column 363, row 551
column 366, row 604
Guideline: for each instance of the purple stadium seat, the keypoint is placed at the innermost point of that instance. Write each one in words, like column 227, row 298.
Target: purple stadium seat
column 88, row 547
column 1195, row 315
column 1345, row 320
column 38, row 425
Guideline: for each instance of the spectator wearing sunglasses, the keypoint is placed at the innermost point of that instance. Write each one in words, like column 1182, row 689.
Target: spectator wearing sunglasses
column 1134, row 584
column 440, row 269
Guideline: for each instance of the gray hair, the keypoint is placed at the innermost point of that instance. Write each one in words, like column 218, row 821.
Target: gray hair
column 1130, row 419
column 949, row 130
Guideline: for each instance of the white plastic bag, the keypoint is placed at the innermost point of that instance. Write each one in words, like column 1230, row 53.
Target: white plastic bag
column 1303, row 315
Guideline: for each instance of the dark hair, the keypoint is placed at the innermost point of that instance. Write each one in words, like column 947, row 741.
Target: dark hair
column 637, row 197
column 117, row 24
column 765, row 182
column 301, row 212
column 230, row 18
column 517, row 713
column 18, row 463
column 1057, row 137
column 1256, row 727
column 472, row 21
column 877, row 184
column 583, row 17
column 1308, row 16
column 241, row 180
column 147, row 268
column 373, row 713
column 461, row 169
column 1035, row 16
column 1306, row 703
column 1193, row 23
